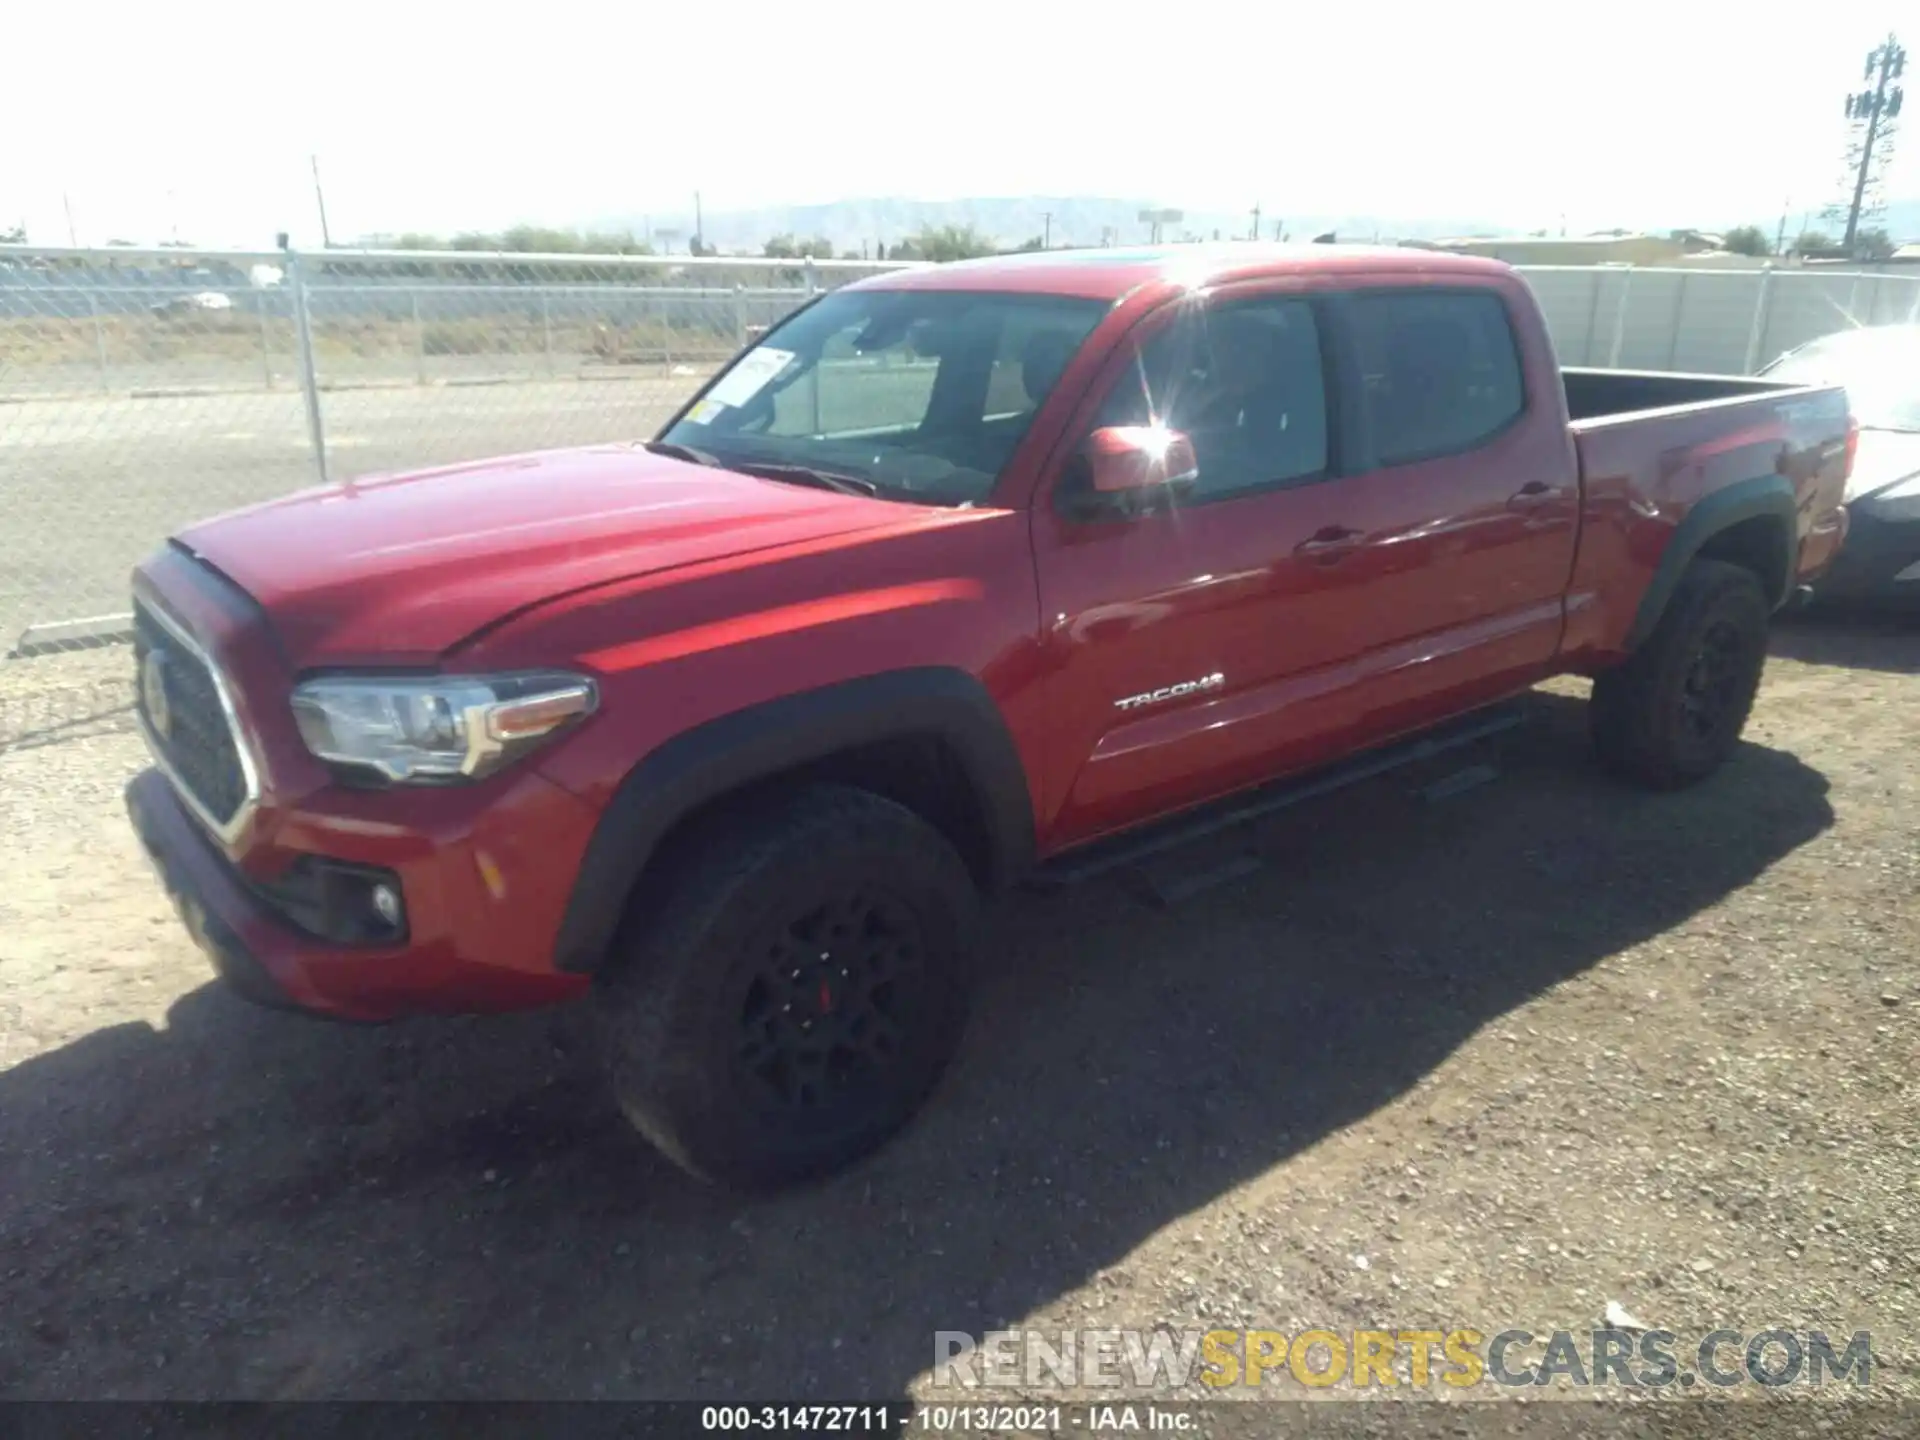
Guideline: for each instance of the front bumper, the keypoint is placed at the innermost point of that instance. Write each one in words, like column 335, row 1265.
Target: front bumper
column 270, row 960
column 204, row 892
column 1880, row 564
column 483, row 870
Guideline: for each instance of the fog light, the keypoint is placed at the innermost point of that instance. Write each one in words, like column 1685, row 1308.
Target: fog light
column 386, row 904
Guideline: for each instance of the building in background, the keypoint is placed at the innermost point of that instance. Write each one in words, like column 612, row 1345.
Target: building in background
column 1616, row 248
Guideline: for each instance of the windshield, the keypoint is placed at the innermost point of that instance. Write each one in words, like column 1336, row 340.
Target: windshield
column 921, row 394
column 1879, row 365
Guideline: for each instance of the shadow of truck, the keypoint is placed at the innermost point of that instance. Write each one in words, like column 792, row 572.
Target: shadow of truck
column 250, row 1204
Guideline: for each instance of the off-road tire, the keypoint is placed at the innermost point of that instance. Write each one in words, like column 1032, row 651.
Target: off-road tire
column 710, row 1041
column 1673, row 713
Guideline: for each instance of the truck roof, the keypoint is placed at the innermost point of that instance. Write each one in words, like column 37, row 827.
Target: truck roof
column 1109, row 274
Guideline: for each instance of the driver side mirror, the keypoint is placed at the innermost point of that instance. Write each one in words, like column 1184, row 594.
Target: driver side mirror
column 1131, row 464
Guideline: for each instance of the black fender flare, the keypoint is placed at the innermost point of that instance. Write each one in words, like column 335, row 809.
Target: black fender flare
column 732, row 751
column 1763, row 496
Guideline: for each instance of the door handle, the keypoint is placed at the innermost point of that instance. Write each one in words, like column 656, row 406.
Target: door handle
column 1531, row 496
column 1329, row 544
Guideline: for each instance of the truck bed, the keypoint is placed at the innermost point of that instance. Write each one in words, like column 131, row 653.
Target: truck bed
column 1610, row 394
column 1654, row 449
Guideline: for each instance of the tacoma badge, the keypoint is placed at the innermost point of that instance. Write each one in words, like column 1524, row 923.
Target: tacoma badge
column 1172, row 692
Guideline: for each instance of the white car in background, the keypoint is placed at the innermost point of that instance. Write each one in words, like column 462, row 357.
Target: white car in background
column 199, row 300
column 1880, row 366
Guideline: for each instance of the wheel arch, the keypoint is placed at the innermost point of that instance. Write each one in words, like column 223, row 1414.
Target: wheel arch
column 1750, row 523
column 930, row 738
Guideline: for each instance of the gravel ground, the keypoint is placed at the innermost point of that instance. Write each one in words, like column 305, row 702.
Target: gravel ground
column 1493, row 1061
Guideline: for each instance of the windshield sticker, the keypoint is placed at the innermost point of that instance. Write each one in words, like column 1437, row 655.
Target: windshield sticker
column 706, row 412
column 750, row 376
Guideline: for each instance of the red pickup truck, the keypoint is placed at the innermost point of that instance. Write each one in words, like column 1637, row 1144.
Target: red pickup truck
column 959, row 576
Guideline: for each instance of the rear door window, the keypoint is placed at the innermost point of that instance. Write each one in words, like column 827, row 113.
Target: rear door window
column 1440, row 371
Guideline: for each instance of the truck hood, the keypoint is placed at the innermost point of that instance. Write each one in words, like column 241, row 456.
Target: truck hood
column 403, row 567
column 1885, row 457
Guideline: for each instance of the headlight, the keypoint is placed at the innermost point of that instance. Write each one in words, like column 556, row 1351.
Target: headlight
column 434, row 729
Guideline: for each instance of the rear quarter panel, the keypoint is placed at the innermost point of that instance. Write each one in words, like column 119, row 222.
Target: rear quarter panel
column 1643, row 474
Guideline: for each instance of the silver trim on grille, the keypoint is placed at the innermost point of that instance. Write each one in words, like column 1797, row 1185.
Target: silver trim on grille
column 232, row 829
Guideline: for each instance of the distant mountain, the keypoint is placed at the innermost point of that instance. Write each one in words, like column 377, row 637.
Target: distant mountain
column 1075, row 220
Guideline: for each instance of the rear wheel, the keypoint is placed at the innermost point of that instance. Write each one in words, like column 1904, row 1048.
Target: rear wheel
column 790, row 989
column 1673, row 713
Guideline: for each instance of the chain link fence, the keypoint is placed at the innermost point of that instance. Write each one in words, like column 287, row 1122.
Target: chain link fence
column 141, row 390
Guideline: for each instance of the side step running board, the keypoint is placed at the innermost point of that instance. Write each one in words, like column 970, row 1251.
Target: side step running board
column 1101, row 856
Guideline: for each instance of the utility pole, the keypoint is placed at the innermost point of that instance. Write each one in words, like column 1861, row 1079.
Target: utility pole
column 699, row 226
column 73, row 236
column 1046, row 229
column 1878, row 108
column 320, row 199
column 1780, row 236
column 1256, row 219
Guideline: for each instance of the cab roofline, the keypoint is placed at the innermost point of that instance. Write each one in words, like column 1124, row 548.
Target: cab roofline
column 1111, row 274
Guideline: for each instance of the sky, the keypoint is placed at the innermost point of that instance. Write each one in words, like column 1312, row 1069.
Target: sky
column 155, row 122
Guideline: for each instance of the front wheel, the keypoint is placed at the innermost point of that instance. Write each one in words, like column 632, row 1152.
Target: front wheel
column 789, row 989
column 1672, row 714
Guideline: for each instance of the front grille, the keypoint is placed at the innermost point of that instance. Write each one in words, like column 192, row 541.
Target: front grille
column 179, row 702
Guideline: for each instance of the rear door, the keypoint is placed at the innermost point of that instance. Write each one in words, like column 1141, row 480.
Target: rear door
column 1466, row 494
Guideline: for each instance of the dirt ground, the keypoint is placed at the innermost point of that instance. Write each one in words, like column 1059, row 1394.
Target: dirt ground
column 1493, row 1060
